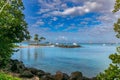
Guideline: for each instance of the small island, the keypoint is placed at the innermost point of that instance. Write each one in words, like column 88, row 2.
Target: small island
column 68, row 46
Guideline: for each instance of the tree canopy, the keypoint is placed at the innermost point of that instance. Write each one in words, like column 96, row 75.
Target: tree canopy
column 13, row 27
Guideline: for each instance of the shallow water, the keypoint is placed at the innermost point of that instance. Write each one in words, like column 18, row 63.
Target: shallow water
column 90, row 59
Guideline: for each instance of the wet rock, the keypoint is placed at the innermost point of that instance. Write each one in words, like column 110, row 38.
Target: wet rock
column 76, row 76
column 26, row 74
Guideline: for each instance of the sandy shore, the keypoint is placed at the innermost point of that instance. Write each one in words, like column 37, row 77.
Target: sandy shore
column 34, row 46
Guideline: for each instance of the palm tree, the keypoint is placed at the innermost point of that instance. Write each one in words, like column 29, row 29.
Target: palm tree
column 28, row 39
column 42, row 38
column 36, row 38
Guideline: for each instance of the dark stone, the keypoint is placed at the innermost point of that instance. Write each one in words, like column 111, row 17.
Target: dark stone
column 40, row 73
column 65, row 76
column 47, row 77
column 33, row 71
column 76, row 76
column 16, row 66
column 85, row 78
column 94, row 78
column 26, row 74
column 61, row 76
column 36, row 72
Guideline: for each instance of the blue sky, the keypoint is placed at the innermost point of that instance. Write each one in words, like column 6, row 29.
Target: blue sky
column 72, row 20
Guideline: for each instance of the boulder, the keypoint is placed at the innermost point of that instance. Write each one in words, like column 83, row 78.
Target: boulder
column 26, row 74
column 17, row 66
column 40, row 73
column 61, row 76
column 94, row 78
column 76, row 76
column 47, row 77
column 85, row 78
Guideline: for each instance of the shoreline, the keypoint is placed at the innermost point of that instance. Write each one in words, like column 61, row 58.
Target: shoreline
column 61, row 46
column 17, row 67
column 33, row 46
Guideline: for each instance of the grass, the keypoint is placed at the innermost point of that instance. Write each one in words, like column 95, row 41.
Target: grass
column 4, row 76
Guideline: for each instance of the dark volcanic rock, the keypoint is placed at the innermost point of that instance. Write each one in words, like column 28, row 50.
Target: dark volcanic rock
column 76, row 76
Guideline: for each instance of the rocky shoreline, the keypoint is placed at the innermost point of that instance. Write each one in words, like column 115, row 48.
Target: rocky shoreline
column 17, row 67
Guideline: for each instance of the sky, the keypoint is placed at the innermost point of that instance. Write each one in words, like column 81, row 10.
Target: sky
column 84, row 21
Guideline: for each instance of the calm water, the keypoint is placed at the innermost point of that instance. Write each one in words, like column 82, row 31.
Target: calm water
column 90, row 59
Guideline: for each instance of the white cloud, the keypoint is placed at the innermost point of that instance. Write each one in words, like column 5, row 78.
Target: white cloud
column 61, row 38
column 38, row 23
column 54, row 8
column 54, row 19
column 79, row 10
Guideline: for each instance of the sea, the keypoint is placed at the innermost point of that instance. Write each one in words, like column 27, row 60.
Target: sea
column 90, row 59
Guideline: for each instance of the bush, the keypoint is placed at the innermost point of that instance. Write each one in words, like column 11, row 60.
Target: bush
column 4, row 76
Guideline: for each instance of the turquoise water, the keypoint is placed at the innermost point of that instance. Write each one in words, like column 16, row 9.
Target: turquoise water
column 90, row 59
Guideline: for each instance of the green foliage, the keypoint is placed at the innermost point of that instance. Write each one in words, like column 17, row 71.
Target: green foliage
column 4, row 76
column 117, row 28
column 37, row 39
column 117, row 6
column 113, row 71
column 42, row 38
column 13, row 28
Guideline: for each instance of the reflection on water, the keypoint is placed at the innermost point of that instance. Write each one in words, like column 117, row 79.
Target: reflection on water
column 28, row 54
column 21, row 54
column 90, row 59
column 36, row 54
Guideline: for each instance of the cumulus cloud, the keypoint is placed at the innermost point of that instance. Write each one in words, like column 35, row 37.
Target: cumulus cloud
column 79, row 10
column 102, row 21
